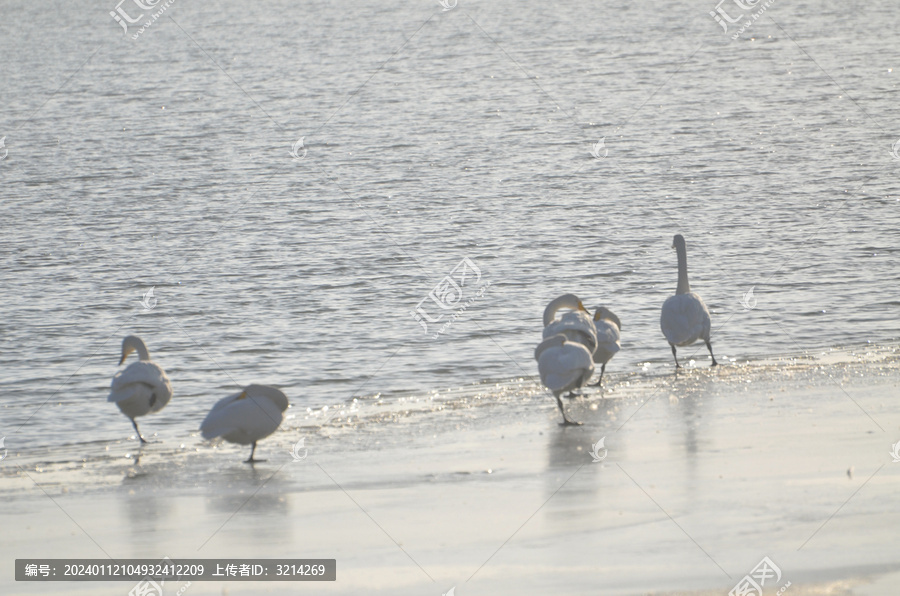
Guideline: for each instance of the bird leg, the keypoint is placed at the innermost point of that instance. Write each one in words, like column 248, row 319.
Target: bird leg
column 566, row 421
column 134, row 424
column 676, row 356
column 600, row 382
column 250, row 460
column 709, row 347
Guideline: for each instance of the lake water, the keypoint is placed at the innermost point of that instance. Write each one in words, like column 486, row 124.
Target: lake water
column 429, row 137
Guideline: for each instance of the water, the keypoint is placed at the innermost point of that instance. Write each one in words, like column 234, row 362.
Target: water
column 165, row 162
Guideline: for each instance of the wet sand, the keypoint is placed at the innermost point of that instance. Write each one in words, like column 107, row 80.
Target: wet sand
column 480, row 489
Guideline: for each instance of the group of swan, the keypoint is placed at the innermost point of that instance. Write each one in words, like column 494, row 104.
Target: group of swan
column 243, row 418
column 576, row 341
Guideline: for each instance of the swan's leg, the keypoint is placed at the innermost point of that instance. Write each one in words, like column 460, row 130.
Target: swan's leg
column 709, row 347
column 134, row 424
column 600, row 382
column 566, row 421
column 250, row 460
column 676, row 356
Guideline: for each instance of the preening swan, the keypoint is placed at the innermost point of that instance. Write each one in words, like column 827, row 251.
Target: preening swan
column 576, row 325
column 607, row 326
column 684, row 318
column 143, row 387
column 246, row 417
column 563, row 365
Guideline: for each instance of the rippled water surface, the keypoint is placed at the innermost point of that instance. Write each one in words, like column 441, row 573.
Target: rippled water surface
column 429, row 136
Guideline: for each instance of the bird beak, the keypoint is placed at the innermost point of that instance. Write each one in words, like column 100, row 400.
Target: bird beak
column 124, row 356
column 242, row 395
column 581, row 307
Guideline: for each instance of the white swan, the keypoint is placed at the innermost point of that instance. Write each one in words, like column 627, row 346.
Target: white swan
column 607, row 325
column 246, row 417
column 576, row 325
column 143, row 387
column 563, row 365
column 685, row 318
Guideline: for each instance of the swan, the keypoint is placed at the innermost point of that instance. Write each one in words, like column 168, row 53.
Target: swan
column 576, row 325
column 563, row 365
column 246, row 417
column 607, row 326
column 143, row 387
column 685, row 318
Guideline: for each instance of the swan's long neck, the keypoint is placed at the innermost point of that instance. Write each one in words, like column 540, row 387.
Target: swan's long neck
column 143, row 354
column 684, row 286
column 565, row 301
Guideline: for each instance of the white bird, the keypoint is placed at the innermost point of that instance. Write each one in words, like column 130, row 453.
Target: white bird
column 563, row 365
column 246, row 417
column 143, row 387
column 576, row 325
column 607, row 325
column 685, row 318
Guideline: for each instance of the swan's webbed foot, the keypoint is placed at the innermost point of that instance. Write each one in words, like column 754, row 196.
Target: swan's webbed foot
column 568, row 422
column 250, row 459
column 599, row 382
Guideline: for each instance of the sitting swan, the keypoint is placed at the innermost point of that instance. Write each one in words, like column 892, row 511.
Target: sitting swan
column 143, row 387
column 246, row 417
column 563, row 365
column 607, row 325
column 685, row 318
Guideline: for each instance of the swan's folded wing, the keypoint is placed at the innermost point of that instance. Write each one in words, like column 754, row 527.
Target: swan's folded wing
column 607, row 335
column 684, row 319
column 576, row 326
column 141, row 374
column 564, row 366
column 124, row 392
column 241, row 419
